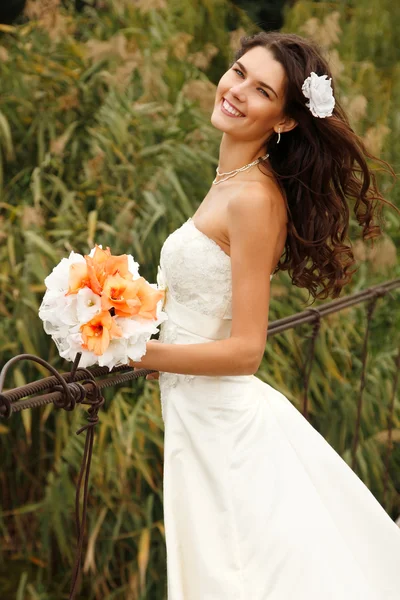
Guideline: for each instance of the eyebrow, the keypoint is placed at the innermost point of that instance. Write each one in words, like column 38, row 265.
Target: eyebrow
column 259, row 82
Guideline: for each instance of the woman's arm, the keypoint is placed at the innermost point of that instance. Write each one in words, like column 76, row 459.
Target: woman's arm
column 254, row 223
column 219, row 357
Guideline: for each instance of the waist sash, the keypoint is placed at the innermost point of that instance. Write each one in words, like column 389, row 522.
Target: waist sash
column 193, row 321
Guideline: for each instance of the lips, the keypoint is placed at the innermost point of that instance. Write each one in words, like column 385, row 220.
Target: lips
column 229, row 109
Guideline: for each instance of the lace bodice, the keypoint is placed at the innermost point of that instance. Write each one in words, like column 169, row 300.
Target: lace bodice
column 197, row 274
column 198, row 271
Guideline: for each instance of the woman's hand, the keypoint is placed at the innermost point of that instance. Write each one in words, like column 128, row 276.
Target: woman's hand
column 155, row 375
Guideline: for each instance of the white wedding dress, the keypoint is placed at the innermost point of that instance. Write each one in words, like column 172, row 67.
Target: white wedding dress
column 257, row 505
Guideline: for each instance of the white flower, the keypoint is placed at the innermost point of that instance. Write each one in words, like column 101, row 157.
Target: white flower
column 58, row 279
column 133, row 267
column 115, row 355
column 58, row 311
column 137, row 351
column 135, row 328
column 319, row 90
column 69, row 347
column 88, row 304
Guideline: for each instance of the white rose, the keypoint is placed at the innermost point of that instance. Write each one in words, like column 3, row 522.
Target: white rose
column 319, row 90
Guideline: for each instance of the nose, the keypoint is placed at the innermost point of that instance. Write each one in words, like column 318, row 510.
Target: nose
column 238, row 91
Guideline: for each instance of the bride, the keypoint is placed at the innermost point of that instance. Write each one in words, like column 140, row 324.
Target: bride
column 257, row 505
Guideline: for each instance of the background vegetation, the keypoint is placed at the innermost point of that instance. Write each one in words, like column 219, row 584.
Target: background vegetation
column 105, row 137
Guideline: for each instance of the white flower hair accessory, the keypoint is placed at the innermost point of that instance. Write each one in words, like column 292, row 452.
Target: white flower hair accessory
column 319, row 90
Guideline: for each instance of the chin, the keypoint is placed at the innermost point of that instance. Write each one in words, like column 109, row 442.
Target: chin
column 218, row 121
column 215, row 121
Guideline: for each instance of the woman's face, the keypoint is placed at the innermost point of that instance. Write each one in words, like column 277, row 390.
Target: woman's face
column 250, row 97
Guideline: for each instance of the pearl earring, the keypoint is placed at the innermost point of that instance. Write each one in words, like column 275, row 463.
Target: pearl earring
column 279, row 135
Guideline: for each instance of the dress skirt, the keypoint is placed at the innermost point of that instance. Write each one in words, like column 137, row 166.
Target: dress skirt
column 257, row 504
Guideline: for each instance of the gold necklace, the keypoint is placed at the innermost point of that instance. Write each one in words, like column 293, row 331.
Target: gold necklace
column 236, row 171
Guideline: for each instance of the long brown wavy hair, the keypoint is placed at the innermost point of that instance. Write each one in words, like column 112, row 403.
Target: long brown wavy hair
column 319, row 165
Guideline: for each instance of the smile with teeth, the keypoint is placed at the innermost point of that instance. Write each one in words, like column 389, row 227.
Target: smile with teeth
column 230, row 109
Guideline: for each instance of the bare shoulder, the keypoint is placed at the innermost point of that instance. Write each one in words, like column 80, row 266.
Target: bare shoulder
column 258, row 200
column 257, row 218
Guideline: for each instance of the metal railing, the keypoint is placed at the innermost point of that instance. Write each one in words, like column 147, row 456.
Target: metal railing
column 84, row 386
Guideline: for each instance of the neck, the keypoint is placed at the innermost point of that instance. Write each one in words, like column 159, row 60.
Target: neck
column 234, row 154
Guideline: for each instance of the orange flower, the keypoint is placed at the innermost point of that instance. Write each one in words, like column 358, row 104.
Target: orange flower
column 96, row 275
column 78, row 278
column 149, row 297
column 122, row 295
column 118, row 265
column 96, row 269
column 129, row 298
column 108, row 264
column 98, row 332
column 101, row 256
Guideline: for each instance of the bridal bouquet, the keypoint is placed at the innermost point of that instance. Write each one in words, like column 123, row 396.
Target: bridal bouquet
column 100, row 306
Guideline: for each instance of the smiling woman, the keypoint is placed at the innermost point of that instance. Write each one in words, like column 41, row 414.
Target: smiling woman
column 236, row 450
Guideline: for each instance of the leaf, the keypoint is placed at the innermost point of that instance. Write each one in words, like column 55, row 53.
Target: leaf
column 144, row 468
column 171, row 175
column 38, row 242
column 383, row 436
column 7, row 28
column 92, row 223
column 11, row 250
column 21, row 586
column 46, row 412
column 58, row 145
column 90, row 552
column 24, row 338
column 22, row 510
column 143, row 557
column 6, row 137
column 36, row 185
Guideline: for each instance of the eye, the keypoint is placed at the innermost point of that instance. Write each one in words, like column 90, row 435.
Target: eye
column 264, row 92
column 240, row 73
